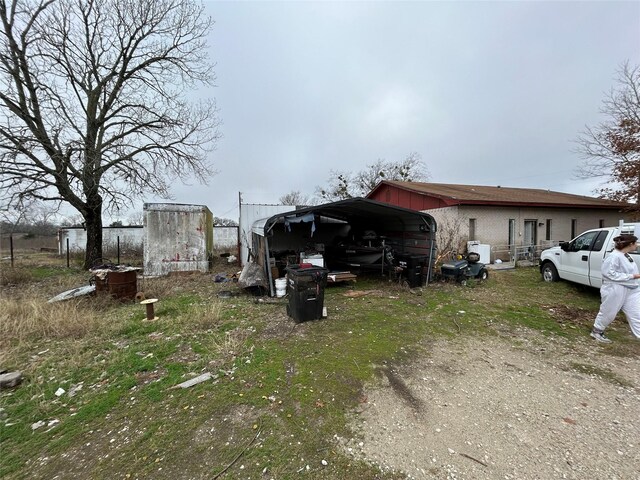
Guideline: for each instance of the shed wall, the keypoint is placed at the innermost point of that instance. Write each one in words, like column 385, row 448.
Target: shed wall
column 249, row 213
column 129, row 237
column 225, row 237
column 178, row 238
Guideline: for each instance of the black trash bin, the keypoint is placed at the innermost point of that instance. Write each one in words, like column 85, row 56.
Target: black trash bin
column 305, row 287
column 414, row 268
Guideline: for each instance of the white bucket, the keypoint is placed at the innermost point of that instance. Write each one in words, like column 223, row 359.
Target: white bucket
column 281, row 287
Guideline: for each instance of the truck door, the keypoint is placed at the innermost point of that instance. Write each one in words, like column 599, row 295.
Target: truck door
column 596, row 258
column 575, row 259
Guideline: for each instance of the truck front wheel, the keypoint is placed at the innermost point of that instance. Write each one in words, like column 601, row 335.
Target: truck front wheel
column 549, row 272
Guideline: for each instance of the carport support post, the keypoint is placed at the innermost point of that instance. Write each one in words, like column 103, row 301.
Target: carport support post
column 11, row 248
column 118, row 240
column 67, row 252
column 266, row 260
column 432, row 248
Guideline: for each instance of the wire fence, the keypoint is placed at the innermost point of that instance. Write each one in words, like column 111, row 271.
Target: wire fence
column 513, row 255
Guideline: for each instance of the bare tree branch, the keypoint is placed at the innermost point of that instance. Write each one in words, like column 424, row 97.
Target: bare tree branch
column 612, row 148
column 296, row 198
column 343, row 185
column 94, row 102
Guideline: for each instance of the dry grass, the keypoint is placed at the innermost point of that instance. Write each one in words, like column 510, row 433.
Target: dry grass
column 23, row 320
column 203, row 316
column 14, row 276
column 159, row 287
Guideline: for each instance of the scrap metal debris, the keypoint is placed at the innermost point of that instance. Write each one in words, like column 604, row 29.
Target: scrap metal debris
column 74, row 293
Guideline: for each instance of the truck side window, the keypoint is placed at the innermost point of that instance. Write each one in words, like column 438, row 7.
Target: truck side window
column 597, row 245
column 583, row 242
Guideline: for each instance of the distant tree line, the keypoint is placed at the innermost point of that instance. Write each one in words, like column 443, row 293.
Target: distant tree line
column 28, row 228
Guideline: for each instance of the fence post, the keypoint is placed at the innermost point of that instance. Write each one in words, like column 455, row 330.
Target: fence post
column 118, row 239
column 67, row 252
column 11, row 248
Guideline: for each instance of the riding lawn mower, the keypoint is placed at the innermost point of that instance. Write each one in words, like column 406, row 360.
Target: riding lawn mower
column 463, row 268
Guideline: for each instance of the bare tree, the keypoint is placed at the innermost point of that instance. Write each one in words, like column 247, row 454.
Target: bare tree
column 136, row 218
column 612, row 148
column 224, row 222
column 72, row 221
column 93, row 102
column 295, row 198
column 342, row 185
column 36, row 215
column 449, row 238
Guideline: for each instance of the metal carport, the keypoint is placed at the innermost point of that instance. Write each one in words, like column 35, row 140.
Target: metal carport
column 409, row 231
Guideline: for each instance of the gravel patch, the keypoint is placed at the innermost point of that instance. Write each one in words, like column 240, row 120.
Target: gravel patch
column 525, row 407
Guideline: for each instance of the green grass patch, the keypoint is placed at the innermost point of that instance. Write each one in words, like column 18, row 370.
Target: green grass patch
column 281, row 394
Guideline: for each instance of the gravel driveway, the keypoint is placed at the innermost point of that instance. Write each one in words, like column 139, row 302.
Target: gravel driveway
column 519, row 406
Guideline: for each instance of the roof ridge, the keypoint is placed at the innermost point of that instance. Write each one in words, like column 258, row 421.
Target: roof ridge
column 500, row 194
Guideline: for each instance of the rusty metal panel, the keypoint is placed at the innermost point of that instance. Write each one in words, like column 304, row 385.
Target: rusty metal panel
column 178, row 238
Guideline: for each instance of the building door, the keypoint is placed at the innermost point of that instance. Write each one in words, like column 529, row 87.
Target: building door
column 512, row 238
column 530, row 231
column 530, row 239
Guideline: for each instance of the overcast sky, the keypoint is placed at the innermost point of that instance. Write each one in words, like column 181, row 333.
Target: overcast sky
column 488, row 93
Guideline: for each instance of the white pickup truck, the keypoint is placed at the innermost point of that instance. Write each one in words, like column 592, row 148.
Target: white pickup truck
column 580, row 260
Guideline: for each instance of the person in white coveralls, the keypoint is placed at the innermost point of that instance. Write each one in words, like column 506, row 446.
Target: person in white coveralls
column 620, row 289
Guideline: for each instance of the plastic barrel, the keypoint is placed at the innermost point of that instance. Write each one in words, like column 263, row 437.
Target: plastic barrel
column 281, row 287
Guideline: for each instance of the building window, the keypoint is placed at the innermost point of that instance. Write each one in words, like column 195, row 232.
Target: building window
column 548, row 231
column 472, row 229
column 601, row 223
column 512, row 231
column 574, row 227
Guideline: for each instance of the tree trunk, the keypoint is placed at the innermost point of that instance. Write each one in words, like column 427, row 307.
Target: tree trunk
column 93, row 224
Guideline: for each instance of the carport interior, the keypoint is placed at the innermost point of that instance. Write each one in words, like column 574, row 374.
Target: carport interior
column 353, row 235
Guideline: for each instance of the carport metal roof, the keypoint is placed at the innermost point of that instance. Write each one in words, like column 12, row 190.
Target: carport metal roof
column 389, row 216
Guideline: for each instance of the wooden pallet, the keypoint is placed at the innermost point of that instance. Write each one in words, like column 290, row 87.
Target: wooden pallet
column 337, row 277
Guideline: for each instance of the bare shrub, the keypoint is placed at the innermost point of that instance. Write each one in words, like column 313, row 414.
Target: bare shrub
column 449, row 238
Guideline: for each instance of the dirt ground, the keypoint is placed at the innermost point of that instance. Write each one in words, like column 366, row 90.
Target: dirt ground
column 518, row 406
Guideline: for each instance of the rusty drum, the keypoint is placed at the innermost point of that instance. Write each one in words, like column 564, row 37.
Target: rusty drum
column 122, row 285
